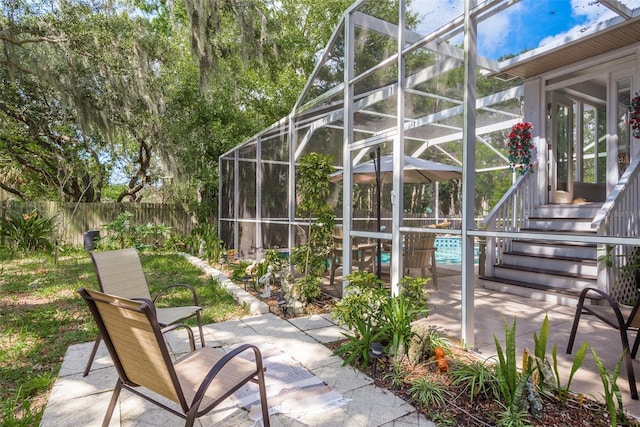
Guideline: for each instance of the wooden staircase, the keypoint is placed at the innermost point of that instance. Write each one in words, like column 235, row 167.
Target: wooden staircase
column 550, row 270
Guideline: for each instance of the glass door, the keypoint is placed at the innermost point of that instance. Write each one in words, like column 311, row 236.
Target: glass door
column 561, row 155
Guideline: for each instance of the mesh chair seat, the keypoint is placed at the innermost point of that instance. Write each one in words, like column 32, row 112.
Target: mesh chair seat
column 120, row 273
column 196, row 383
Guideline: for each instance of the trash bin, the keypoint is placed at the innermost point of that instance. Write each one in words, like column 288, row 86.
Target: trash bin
column 90, row 238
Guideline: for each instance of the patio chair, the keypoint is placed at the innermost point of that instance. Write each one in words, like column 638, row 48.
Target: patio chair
column 620, row 317
column 120, row 273
column 363, row 254
column 197, row 383
column 420, row 252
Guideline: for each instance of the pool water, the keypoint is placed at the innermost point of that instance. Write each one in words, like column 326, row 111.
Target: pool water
column 449, row 251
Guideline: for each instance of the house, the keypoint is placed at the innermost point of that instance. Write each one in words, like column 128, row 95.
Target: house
column 441, row 89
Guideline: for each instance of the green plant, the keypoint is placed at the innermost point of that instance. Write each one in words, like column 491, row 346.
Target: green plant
column 313, row 188
column 443, row 419
column 429, row 393
column 18, row 404
column 398, row 314
column 437, row 340
column 563, row 392
column 363, row 279
column 511, row 383
column 476, row 377
column 120, row 233
column 396, row 376
column 275, row 259
column 310, row 288
column 362, row 300
column 160, row 234
column 28, row 232
column 412, row 288
column 506, row 368
column 611, row 389
column 206, row 242
column 513, row 417
column 356, row 349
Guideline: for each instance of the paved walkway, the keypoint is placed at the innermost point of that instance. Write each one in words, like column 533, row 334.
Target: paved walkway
column 78, row 401
column 82, row 401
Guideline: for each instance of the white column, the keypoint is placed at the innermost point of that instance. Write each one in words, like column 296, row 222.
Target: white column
column 398, row 165
column 260, row 250
column 535, row 113
column 468, row 174
column 347, row 192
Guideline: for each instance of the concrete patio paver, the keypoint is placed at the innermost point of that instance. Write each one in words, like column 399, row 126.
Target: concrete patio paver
column 76, row 400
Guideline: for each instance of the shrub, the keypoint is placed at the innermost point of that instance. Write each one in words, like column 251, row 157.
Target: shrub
column 363, row 299
column 356, row 350
column 29, row 231
column 397, row 317
column 412, row 288
column 310, row 288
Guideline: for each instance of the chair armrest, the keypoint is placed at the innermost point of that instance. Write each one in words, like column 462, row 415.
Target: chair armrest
column 181, row 285
column 192, row 343
column 211, row 375
column 601, row 293
column 612, row 303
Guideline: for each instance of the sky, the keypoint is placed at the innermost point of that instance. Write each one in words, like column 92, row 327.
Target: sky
column 526, row 25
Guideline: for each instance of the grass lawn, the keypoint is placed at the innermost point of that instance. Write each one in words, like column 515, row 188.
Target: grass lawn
column 41, row 314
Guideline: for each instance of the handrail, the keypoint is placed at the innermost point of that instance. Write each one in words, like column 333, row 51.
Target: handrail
column 614, row 216
column 511, row 192
column 619, row 216
column 511, row 213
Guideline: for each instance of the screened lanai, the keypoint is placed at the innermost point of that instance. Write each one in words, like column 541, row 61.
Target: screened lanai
column 437, row 80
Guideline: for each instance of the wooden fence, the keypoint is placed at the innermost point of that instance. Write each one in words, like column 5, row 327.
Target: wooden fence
column 74, row 219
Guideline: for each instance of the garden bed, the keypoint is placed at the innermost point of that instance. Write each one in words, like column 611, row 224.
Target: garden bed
column 460, row 410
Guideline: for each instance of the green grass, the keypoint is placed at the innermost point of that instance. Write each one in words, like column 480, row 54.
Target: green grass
column 41, row 314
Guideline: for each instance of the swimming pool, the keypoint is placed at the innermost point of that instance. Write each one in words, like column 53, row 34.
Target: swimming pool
column 449, row 251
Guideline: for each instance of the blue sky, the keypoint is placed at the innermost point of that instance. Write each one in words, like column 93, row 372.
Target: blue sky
column 526, row 25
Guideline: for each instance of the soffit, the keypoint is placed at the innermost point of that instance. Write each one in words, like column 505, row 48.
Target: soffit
column 602, row 42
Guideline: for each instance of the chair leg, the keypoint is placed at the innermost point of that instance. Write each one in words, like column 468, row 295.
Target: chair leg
column 92, row 356
column 636, row 342
column 333, row 271
column 263, row 399
column 574, row 328
column 200, row 328
column 112, row 404
column 628, row 364
column 434, row 276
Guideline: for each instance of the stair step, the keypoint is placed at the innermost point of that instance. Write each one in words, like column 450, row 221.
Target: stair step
column 586, row 210
column 539, row 276
column 553, row 250
column 559, row 263
column 567, row 297
column 560, row 224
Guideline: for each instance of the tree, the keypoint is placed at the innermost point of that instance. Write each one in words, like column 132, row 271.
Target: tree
column 93, row 90
column 78, row 98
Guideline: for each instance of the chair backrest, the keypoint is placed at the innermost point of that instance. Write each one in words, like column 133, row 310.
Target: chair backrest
column 132, row 335
column 417, row 249
column 120, row 273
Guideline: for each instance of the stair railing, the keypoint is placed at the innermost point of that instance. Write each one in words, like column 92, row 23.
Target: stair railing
column 619, row 216
column 510, row 214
